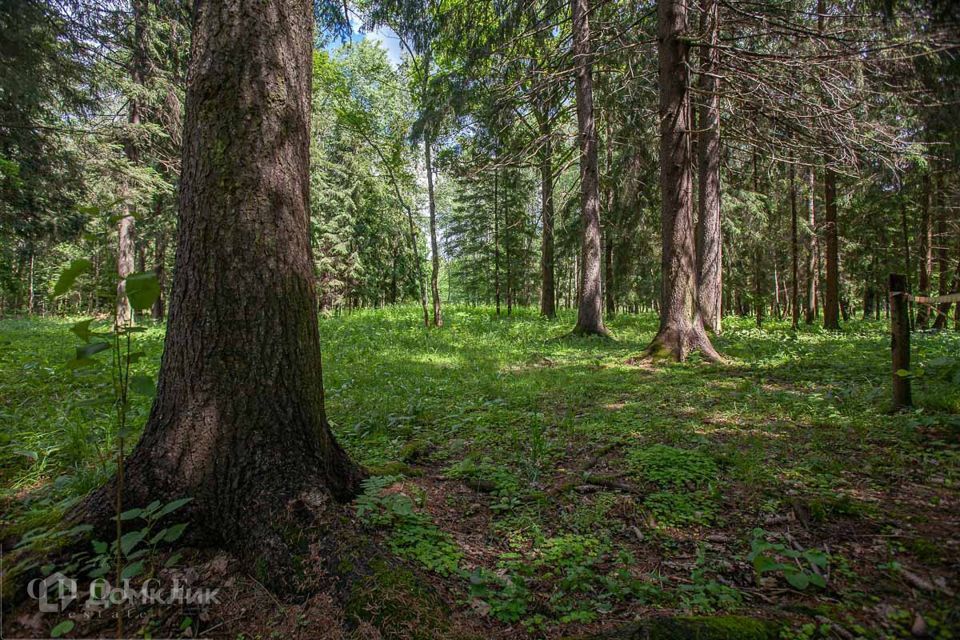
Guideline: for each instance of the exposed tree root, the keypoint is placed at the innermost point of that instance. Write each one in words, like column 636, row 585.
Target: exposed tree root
column 677, row 343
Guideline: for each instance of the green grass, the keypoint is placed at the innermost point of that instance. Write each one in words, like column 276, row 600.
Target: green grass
column 792, row 434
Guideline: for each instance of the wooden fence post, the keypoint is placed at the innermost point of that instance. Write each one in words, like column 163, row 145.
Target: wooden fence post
column 900, row 341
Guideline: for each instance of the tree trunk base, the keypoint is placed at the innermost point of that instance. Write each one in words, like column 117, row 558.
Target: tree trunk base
column 273, row 522
column 580, row 331
column 676, row 343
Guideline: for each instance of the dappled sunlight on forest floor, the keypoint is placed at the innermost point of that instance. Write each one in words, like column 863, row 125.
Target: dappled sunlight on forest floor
column 546, row 485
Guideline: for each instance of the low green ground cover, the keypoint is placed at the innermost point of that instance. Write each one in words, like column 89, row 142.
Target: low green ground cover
column 554, row 482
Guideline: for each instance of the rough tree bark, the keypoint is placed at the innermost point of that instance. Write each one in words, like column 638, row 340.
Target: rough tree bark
column 831, row 298
column 813, row 250
column 238, row 422
column 709, row 239
column 590, row 309
column 681, row 329
column 434, row 253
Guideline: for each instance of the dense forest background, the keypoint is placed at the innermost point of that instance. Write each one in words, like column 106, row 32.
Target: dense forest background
column 832, row 117
column 607, row 294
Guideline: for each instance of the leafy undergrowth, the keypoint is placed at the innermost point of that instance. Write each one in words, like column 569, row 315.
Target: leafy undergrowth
column 555, row 486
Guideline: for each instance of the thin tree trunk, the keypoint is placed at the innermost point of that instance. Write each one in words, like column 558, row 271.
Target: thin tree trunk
column 813, row 250
column 831, row 306
column 435, row 254
column 416, row 258
column 681, row 329
column 507, row 258
column 709, row 238
column 126, row 226
column 610, row 299
column 548, row 303
column 238, row 422
column 159, row 268
column 590, row 311
column 926, row 252
column 943, row 265
column 794, row 252
column 907, row 266
column 757, row 256
column 496, row 238
column 609, row 291
column 30, row 289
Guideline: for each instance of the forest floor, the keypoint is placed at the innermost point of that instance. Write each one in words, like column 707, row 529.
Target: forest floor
column 544, row 486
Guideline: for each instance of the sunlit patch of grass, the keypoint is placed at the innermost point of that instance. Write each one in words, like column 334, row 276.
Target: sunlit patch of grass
column 502, row 404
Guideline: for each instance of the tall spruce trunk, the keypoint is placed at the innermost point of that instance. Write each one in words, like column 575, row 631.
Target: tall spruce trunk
column 813, row 250
column 590, row 309
column 238, row 422
column 831, row 298
column 681, row 329
column 709, row 238
column 548, row 302
column 434, row 249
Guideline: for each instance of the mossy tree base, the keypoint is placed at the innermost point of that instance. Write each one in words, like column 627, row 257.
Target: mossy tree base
column 581, row 331
column 678, row 342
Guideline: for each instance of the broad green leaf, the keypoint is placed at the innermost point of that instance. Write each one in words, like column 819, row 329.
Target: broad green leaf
column 65, row 626
column 816, row 557
column 174, row 532
column 69, row 275
column 763, row 564
column 818, row 580
column 82, row 330
column 142, row 289
column 132, row 570
column 77, row 363
column 143, row 385
column 798, row 580
column 170, row 507
column 131, row 514
column 87, row 350
column 130, row 540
